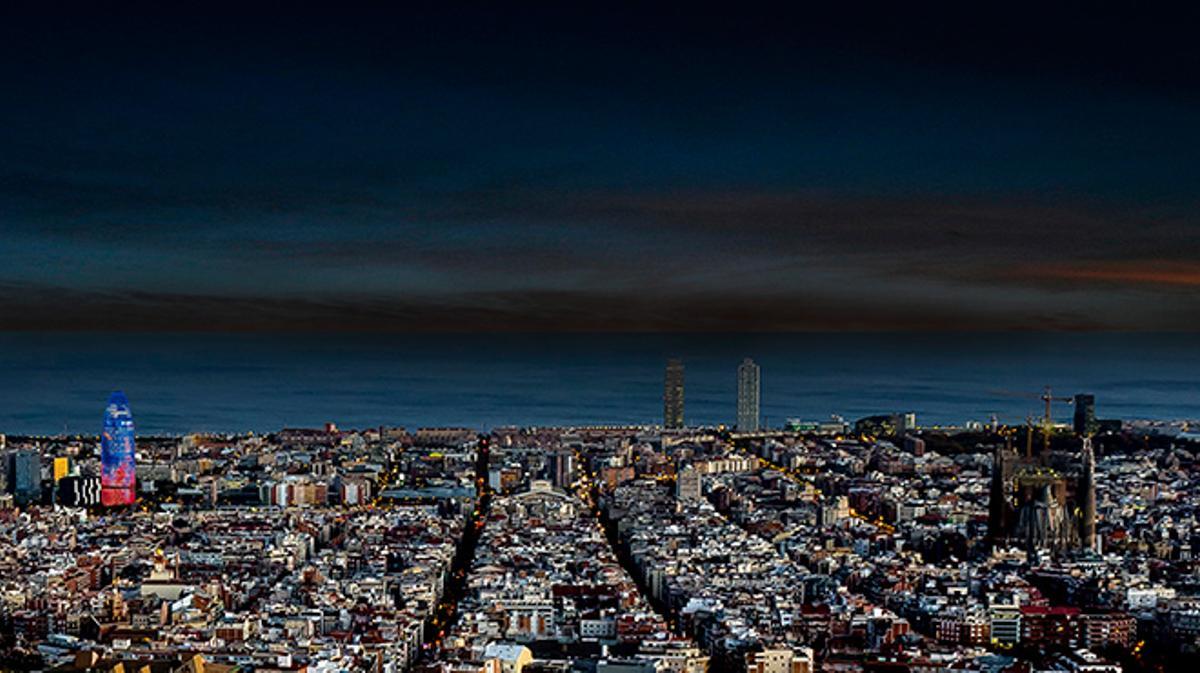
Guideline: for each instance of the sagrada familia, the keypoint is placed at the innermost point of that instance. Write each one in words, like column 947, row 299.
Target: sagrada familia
column 1045, row 502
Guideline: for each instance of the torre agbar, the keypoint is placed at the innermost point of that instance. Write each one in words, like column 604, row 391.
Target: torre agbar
column 117, row 475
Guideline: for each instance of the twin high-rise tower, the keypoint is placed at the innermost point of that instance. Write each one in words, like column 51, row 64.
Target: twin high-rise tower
column 673, row 395
column 747, row 396
column 748, row 390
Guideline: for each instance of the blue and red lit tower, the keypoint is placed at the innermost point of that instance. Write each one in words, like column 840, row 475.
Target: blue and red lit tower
column 117, row 468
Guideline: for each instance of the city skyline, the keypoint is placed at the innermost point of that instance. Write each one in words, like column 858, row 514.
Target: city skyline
column 634, row 528
column 189, row 383
column 486, row 337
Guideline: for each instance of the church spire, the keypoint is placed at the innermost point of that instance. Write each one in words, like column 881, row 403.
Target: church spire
column 1087, row 489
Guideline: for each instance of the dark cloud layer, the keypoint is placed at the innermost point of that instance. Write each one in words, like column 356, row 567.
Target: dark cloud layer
column 598, row 168
column 501, row 311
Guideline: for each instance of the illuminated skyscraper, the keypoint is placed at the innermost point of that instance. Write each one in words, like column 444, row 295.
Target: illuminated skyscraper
column 673, row 395
column 117, row 469
column 747, row 396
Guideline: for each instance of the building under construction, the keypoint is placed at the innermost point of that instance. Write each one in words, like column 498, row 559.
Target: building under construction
column 1043, row 502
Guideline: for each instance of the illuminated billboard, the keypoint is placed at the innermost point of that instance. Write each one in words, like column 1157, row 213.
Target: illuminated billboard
column 117, row 474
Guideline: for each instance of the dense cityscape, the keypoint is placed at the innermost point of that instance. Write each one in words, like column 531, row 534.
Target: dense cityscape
column 822, row 545
column 570, row 337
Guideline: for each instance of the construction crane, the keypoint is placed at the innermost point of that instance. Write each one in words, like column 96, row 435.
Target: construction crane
column 1047, row 396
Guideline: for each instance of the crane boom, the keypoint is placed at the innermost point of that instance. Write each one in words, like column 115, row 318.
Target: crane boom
column 1048, row 398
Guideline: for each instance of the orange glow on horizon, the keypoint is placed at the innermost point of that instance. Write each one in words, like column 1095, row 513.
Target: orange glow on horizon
column 1147, row 272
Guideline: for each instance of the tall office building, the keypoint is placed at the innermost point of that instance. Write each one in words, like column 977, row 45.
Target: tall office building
column 673, row 395
column 747, row 396
column 117, row 468
column 24, row 475
column 1085, row 415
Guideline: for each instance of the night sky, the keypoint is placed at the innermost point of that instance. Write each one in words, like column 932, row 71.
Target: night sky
column 599, row 167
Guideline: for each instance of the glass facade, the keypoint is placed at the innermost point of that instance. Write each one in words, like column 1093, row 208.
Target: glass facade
column 25, row 476
column 747, row 396
column 117, row 475
column 673, row 395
